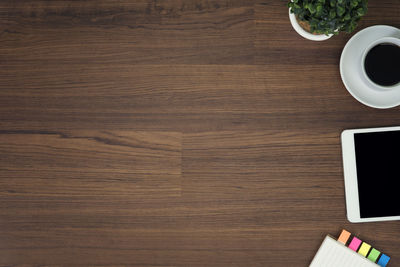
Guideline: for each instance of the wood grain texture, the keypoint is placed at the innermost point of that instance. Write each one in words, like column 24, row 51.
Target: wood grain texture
column 174, row 133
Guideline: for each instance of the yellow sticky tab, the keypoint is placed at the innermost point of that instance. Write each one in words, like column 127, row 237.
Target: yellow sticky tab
column 364, row 249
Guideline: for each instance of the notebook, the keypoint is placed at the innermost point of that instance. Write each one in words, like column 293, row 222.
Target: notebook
column 333, row 253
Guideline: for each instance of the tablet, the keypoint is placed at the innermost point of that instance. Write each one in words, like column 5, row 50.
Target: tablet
column 371, row 163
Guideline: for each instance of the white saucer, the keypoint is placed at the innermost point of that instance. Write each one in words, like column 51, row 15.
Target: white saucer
column 352, row 73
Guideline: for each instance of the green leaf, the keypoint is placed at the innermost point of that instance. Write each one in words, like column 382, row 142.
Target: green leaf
column 332, row 14
column 319, row 10
column 311, row 8
column 340, row 11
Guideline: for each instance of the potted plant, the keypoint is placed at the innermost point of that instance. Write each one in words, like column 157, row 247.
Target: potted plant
column 320, row 19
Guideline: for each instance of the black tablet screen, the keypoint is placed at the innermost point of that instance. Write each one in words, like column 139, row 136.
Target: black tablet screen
column 378, row 173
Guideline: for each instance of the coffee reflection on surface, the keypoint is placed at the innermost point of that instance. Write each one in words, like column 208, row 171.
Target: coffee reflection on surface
column 382, row 64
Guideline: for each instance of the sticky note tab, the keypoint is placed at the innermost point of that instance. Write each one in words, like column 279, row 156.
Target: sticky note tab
column 374, row 254
column 355, row 243
column 344, row 236
column 383, row 260
column 364, row 249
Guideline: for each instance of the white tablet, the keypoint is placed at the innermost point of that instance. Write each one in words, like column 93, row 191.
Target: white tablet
column 371, row 163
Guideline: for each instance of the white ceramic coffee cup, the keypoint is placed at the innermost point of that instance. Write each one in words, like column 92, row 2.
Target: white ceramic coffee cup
column 384, row 40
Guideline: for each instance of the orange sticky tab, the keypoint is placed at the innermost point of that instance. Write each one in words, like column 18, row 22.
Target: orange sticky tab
column 344, row 236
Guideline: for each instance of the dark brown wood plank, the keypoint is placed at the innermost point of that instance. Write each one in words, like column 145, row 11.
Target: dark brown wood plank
column 127, row 32
column 90, row 163
column 188, row 98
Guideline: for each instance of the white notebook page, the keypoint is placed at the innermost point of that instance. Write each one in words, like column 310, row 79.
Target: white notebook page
column 334, row 254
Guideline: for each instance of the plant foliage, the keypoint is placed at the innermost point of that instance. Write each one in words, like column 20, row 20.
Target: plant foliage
column 329, row 16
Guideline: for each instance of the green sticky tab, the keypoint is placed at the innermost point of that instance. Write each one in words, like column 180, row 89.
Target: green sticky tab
column 373, row 254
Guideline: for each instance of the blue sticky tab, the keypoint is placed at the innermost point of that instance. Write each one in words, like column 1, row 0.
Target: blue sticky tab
column 383, row 260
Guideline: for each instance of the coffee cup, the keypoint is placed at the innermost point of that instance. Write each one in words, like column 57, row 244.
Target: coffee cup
column 380, row 64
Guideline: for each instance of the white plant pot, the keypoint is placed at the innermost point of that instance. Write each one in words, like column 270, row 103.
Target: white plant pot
column 304, row 33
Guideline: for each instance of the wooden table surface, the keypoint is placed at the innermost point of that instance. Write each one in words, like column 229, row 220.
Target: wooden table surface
column 174, row 133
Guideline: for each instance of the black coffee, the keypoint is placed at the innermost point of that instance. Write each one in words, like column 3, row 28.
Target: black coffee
column 382, row 64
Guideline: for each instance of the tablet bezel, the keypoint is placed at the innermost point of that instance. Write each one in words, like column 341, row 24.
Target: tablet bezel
column 350, row 174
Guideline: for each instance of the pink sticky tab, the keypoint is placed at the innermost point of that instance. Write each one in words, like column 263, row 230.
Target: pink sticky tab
column 355, row 243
